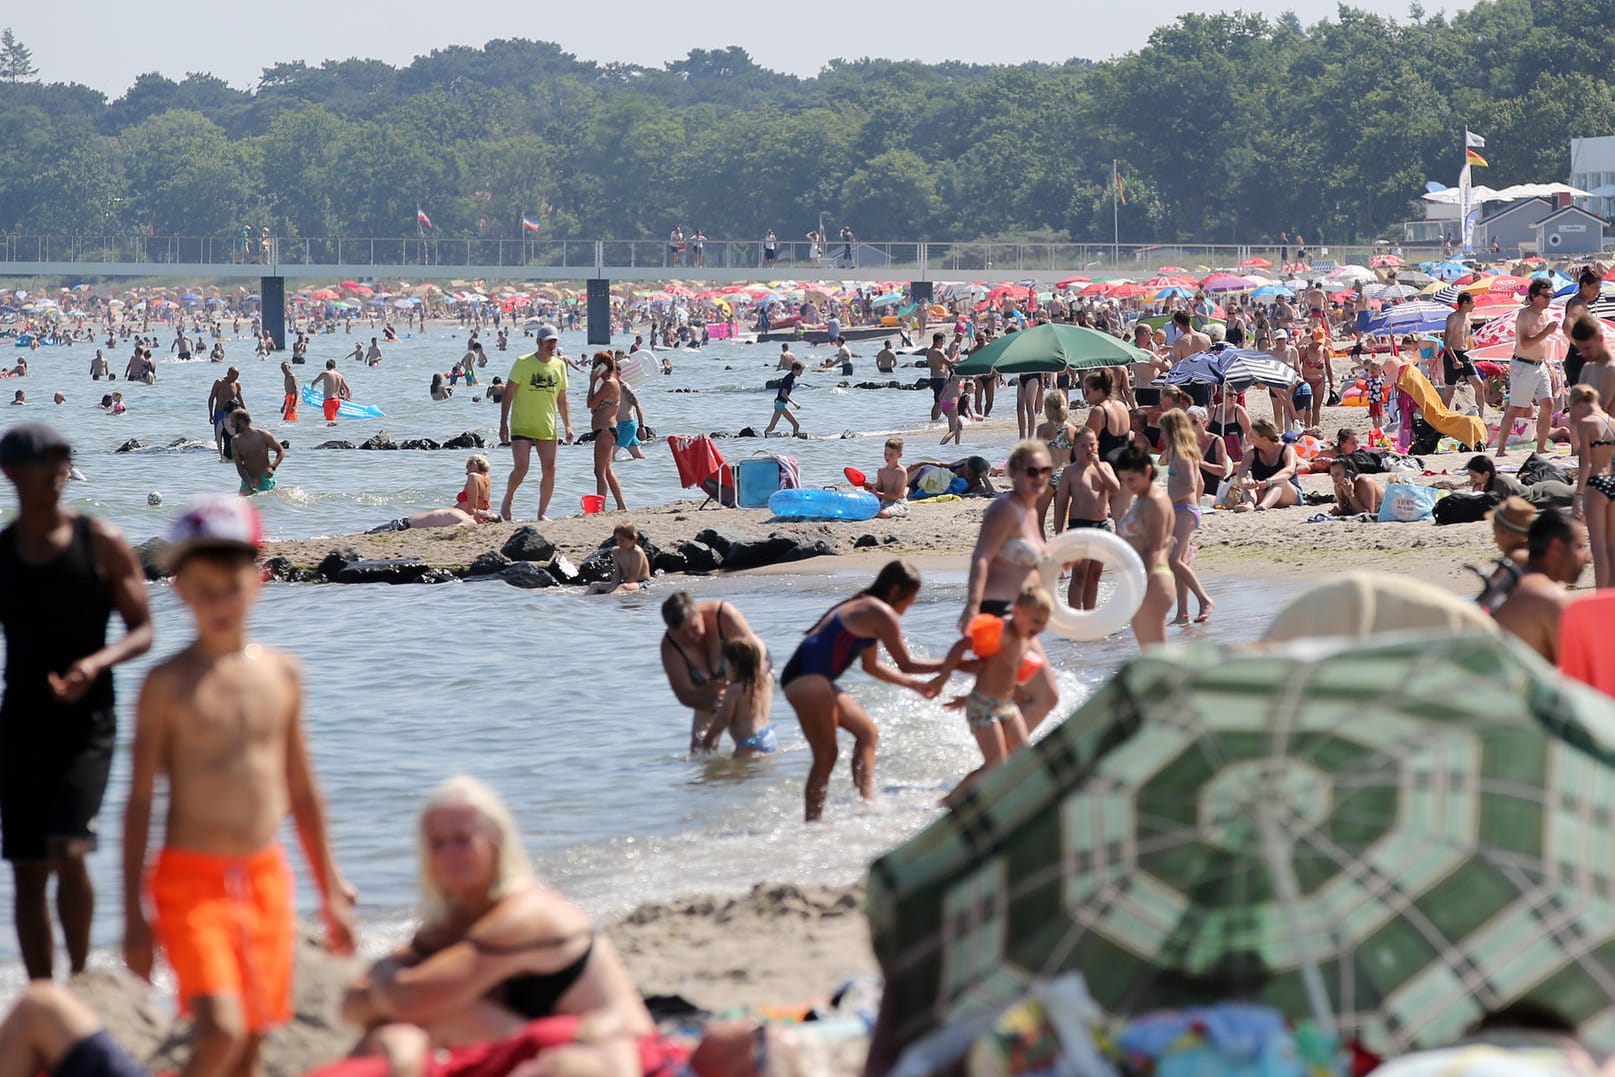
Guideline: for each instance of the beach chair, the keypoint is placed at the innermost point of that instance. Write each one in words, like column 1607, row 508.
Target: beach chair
column 702, row 467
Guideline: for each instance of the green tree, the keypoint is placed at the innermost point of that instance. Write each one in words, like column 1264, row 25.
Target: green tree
column 16, row 59
column 187, row 177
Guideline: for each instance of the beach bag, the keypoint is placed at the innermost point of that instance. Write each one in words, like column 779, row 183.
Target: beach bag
column 1425, row 438
column 1406, row 502
column 1366, row 461
column 1463, row 508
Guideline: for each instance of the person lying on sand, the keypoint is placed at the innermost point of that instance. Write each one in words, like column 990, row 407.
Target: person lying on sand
column 471, row 503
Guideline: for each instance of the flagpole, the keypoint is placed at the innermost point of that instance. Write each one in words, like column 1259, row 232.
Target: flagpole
column 1115, row 214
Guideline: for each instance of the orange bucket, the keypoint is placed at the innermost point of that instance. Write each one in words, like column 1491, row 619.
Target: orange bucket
column 593, row 503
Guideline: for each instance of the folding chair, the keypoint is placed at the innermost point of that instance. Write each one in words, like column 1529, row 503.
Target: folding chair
column 701, row 466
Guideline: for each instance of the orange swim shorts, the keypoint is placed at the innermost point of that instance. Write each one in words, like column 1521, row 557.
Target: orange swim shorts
column 225, row 924
column 332, row 404
column 288, row 408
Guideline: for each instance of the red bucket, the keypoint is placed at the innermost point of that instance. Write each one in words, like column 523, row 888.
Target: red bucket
column 593, row 503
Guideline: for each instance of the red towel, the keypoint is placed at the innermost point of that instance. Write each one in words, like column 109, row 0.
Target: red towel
column 698, row 459
column 1584, row 651
column 658, row 1057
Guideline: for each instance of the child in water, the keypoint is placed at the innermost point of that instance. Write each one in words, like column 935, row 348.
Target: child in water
column 746, row 702
column 1007, row 654
column 631, row 566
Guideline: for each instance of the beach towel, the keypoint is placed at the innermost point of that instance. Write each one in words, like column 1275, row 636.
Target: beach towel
column 1583, row 648
column 658, row 1056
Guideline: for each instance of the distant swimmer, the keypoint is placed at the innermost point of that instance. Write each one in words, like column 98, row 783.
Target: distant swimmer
column 886, row 359
column 786, row 359
column 372, row 355
column 335, row 388
column 222, row 399
column 182, row 345
column 98, row 366
column 251, row 449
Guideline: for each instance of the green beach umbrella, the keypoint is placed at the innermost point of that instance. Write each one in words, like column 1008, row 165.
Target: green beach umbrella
column 1395, row 837
column 1048, row 347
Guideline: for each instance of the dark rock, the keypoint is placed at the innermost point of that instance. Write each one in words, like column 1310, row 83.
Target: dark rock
column 420, row 443
column 150, row 553
column 921, row 383
column 776, row 549
column 526, row 544
column 890, row 540
column 467, row 440
column 279, row 568
column 130, row 446
column 384, row 570
column 881, row 385
column 436, row 575
column 285, row 444
column 338, row 444
column 597, row 568
column 336, row 560
column 526, row 574
column 699, row 557
column 864, row 542
column 491, row 563
column 669, row 561
column 721, row 541
column 378, row 442
column 747, row 432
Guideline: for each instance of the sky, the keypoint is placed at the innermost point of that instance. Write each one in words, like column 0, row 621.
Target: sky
column 236, row 41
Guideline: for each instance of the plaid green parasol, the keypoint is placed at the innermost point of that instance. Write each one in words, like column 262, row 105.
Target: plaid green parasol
column 1420, row 827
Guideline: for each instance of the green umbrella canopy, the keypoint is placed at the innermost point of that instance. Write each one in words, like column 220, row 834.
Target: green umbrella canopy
column 1050, row 346
column 1404, row 834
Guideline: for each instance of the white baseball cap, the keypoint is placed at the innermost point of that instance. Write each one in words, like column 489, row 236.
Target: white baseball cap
column 217, row 522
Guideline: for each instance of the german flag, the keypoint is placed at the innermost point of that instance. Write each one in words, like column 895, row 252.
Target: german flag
column 1473, row 157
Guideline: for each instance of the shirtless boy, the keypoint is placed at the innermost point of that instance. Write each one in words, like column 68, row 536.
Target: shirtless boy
column 288, row 404
column 1083, row 500
column 891, row 482
column 221, row 722
column 631, row 566
column 335, row 388
column 990, row 710
column 251, row 448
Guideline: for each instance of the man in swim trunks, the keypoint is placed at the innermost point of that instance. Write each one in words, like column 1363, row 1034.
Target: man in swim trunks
column 250, row 448
column 1455, row 362
column 535, row 395
column 936, row 361
column 288, row 404
column 224, row 390
column 221, row 723
column 335, row 388
column 1528, row 380
column 61, row 576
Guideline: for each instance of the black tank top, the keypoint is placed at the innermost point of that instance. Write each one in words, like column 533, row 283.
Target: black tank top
column 53, row 615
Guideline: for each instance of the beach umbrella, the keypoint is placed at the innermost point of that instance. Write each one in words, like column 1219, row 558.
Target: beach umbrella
column 1446, row 294
column 1069, row 281
column 1389, row 291
column 1172, row 291
column 1255, row 263
column 1449, row 271
column 1049, row 347
column 1170, row 269
column 1272, row 291
column 887, row 300
column 1415, row 278
column 1384, row 261
column 1391, row 837
column 1554, row 348
column 1420, row 316
column 1352, row 273
column 1243, row 368
column 1225, row 282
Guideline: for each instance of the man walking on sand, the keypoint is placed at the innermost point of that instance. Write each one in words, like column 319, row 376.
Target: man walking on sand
column 1528, row 380
column 535, row 395
column 61, row 576
column 335, row 388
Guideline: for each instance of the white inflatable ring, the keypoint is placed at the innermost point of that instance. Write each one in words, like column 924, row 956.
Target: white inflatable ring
column 1123, row 569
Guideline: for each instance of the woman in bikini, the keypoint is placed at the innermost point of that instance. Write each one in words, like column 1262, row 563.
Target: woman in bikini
column 692, row 655
column 1185, row 483
column 1269, row 469
column 848, row 631
column 1055, row 433
column 1317, row 372
column 1594, row 437
column 495, row 950
column 1147, row 527
column 1008, row 551
column 605, row 394
column 1112, row 424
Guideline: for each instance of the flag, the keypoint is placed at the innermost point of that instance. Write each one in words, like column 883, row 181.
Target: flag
column 1121, row 194
column 529, row 224
column 421, row 218
column 1473, row 144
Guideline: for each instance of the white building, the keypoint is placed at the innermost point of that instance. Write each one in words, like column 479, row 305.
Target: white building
column 1592, row 168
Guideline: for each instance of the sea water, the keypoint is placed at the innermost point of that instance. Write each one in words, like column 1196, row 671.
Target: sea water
column 557, row 700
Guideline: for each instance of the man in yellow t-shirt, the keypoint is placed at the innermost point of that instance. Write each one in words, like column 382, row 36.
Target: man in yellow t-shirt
column 536, row 391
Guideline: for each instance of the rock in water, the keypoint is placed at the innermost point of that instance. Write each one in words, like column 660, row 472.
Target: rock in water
column 491, row 563
column 528, row 544
column 528, row 575
column 336, row 560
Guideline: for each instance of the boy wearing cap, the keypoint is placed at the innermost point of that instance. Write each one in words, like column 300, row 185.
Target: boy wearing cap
column 221, row 722
column 534, row 393
column 61, row 576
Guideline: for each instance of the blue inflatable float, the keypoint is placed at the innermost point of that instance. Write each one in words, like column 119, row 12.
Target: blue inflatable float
column 823, row 505
column 348, row 409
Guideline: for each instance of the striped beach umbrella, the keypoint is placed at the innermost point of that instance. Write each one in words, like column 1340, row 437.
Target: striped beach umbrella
column 1392, row 837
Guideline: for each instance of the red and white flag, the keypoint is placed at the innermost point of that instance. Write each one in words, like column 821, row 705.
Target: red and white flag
column 421, row 218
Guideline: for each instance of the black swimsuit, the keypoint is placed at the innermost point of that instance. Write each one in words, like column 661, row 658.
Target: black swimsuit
column 536, row 994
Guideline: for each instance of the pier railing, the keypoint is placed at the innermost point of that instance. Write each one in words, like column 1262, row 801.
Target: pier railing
column 125, row 255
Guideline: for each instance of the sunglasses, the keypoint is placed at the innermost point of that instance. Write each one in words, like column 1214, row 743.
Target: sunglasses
column 1037, row 472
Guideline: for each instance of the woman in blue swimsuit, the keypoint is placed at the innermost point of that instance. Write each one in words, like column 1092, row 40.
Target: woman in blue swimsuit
column 850, row 631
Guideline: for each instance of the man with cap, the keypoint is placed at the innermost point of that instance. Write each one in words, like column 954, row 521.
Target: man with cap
column 61, row 576
column 535, row 392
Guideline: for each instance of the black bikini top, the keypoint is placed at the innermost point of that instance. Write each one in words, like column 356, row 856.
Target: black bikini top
column 536, row 994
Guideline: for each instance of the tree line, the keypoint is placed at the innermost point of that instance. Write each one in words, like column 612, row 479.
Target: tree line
column 1229, row 127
